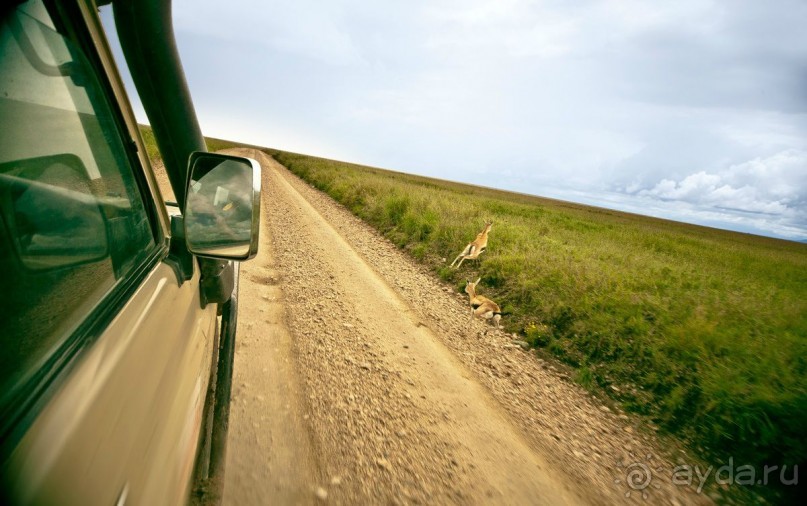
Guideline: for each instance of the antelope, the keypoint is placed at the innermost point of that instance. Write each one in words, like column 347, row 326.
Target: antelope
column 474, row 248
column 482, row 306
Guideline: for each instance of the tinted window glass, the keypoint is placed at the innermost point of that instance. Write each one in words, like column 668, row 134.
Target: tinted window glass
column 72, row 221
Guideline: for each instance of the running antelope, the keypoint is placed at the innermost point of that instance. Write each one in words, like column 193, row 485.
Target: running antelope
column 475, row 248
column 482, row 306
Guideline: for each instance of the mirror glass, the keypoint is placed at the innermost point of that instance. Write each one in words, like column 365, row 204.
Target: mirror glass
column 219, row 211
column 53, row 218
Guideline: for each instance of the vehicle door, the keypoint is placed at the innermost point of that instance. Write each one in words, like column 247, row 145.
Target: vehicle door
column 106, row 354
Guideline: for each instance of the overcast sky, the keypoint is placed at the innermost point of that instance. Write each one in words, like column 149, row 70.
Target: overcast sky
column 692, row 110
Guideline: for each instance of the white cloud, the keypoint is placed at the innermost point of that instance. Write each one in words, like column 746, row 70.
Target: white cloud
column 693, row 187
column 771, row 189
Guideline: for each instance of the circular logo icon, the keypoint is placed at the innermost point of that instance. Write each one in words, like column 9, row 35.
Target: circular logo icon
column 638, row 476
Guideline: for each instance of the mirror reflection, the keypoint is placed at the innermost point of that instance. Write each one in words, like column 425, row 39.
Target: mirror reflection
column 52, row 216
column 218, row 217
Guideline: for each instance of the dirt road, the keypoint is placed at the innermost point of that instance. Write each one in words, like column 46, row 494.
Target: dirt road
column 359, row 380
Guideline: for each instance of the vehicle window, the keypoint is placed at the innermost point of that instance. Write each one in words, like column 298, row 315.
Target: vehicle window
column 72, row 220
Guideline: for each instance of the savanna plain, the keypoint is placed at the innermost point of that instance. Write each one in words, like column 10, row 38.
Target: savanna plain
column 701, row 332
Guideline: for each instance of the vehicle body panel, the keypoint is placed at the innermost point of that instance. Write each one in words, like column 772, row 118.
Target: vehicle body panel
column 136, row 391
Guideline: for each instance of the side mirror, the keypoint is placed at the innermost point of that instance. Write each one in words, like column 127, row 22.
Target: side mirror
column 223, row 207
column 51, row 215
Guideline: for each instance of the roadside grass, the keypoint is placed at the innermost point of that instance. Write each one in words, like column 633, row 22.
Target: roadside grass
column 702, row 330
column 214, row 144
column 153, row 151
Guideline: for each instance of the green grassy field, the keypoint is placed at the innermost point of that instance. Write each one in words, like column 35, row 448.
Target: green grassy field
column 153, row 151
column 704, row 331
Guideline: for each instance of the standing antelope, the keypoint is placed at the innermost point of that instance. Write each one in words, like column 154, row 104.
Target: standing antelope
column 475, row 248
column 482, row 306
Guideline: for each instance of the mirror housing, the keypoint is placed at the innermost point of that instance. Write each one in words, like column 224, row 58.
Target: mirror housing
column 223, row 206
